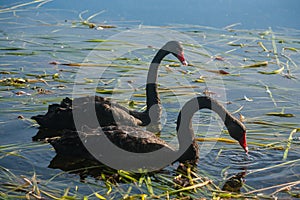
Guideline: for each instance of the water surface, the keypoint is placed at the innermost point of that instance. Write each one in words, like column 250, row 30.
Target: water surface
column 33, row 38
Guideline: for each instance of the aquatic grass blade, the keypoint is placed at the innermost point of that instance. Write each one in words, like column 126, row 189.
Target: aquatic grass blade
column 289, row 142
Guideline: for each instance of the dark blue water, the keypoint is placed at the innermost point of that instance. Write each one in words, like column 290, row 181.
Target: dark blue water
column 220, row 13
column 253, row 14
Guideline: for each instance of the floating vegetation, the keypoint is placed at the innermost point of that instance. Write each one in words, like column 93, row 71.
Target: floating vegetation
column 101, row 40
column 111, row 91
column 263, row 46
column 22, row 93
column 289, row 143
column 39, row 68
column 20, row 82
column 43, row 91
column 85, row 64
column 21, row 53
column 280, row 114
column 222, row 72
column 200, row 80
column 219, row 58
column 278, row 71
column 13, row 81
column 86, row 22
column 248, row 99
column 255, row 65
column 236, row 45
column 290, row 49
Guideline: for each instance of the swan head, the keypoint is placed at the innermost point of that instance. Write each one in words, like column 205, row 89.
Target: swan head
column 175, row 48
column 237, row 131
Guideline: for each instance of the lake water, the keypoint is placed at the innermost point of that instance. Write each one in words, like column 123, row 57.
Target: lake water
column 224, row 35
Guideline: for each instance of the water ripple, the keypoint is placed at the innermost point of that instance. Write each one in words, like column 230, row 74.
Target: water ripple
column 239, row 160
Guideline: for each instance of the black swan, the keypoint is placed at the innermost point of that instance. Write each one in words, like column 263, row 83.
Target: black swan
column 60, row 116
column 139, row 141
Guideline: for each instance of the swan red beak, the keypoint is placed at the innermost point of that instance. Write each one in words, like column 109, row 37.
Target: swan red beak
column 243, row 143
column 182, row 59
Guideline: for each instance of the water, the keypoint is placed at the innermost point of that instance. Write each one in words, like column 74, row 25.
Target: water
column 31, row 38
column 220, row 13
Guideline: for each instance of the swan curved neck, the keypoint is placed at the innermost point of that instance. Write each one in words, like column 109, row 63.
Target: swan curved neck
column 151, row 86
column 184, row 127
column 196, row 104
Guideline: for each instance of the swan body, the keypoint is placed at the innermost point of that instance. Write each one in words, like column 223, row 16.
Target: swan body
column 137, row 140
column 60, row 116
